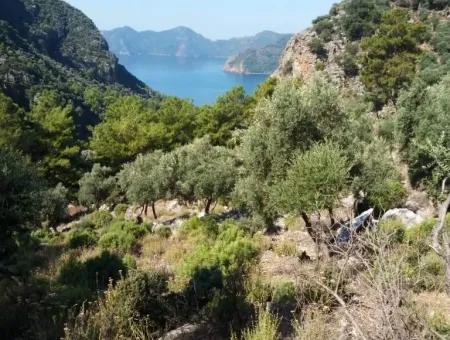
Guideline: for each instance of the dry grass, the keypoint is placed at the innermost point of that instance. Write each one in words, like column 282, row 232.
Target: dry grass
column 286, row 248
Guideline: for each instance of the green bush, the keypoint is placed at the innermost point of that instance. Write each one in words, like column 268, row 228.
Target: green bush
column 85, row 223
column 196, row 227
column 163, row 232
column 82, row 238
column 129, row 261
column 394, row 229
column 139, row 304
column 94, row 273
column 418, row 236
column 316, row 45
column 284, row 296
column 123, row 235
column 265, row 328
column 101, row 218
column 120, row 210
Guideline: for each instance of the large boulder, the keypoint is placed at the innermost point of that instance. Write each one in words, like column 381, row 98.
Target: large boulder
column 407, row 217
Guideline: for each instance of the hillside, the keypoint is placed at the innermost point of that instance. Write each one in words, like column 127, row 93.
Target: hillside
column 316, row 208
column 182, row 42
column 48, row 44
column 257, row 61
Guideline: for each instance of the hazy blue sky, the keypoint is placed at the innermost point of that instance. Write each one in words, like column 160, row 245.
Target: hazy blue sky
column 213, row 18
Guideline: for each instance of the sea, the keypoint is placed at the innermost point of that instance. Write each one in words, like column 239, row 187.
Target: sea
column 200, row 79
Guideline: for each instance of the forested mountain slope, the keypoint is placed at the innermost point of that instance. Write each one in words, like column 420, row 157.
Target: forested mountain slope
column 49, row 44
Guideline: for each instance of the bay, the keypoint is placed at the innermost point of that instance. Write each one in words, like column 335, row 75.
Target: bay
column 200, row 79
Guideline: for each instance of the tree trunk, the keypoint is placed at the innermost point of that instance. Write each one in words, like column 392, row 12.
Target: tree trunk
column 208, row 206
column 309, row 227
column 154, row 211
column 145, row 209
column 331, row 213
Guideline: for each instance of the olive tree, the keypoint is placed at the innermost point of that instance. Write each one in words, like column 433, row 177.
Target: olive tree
column 297, row 115
column 313, row 183
column 96, row 186
column 144, row 181
column 21, row 194
column 205, row 172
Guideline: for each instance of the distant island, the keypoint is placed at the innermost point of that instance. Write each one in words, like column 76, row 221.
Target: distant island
column 245, row 55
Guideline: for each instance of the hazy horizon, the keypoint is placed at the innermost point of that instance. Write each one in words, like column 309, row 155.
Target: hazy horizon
column 214, row 20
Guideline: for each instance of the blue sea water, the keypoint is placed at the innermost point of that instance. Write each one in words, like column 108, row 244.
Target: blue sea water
column 202, row 80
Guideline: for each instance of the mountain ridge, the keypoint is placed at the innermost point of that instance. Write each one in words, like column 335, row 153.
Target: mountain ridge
column 182, row 41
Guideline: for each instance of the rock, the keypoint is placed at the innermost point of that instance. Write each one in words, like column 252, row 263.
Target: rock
column 63, row 228
column 407, row 217
column 173, row 205
column 420, row 203
column 185, row 332
column 75, row 210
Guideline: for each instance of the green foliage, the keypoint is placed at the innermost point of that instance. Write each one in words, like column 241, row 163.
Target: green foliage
column 56, row 150
column 362, row 17
column 129, row 261
column 265, row 328
column 316, row 45
column 21, row 194
column 100, row 218
column 146, row 180
column 126, row 130
column 376, row 176
column 120, row 210
column 123, row 235
column 12, row 123
column 139, row 306
column 205, row 172
column 95, row 273
column 324, row 27
column 284, row 294
column 96, row 186
column 419, row 236
column 395, row 230
column 314, row 181
column 54, row 205
column 389, row 57
column 164, row 232
column 227, row 114
column 82, row 238
column 424, row 130
column 224, row 257
column 348, row 61
column 291, row 121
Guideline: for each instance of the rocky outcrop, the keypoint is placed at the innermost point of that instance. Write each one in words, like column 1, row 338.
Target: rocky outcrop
column 298, row 60
column 406, row 216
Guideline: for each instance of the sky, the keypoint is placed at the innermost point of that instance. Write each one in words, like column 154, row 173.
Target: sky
column 215, row 19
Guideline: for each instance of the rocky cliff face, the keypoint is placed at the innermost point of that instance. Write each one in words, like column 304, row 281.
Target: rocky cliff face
column 299, row 60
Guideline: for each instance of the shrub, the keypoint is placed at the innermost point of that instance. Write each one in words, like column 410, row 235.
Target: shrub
column 85, row 223
column 129, row 262
column 418, row 236
column 284, row 298
column 94, row 273
column 394, row 229
column 82, row 238
column 317, row 47
column 138, row 307
column 120, row 210
column 101, row 218
column 164, row 232
column 285, row 248
column 265, row 328
column 123, row 235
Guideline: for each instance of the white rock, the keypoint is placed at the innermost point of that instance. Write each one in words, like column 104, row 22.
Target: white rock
column 406, row 216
